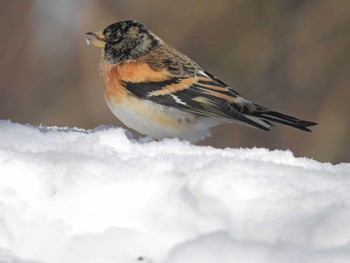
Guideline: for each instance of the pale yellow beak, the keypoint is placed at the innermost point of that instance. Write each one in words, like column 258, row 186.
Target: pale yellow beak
column 98, row 39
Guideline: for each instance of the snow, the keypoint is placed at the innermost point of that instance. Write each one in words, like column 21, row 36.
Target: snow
column 71, row 195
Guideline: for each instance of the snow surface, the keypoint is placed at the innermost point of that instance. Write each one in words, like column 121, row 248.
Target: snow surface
column 71, row 195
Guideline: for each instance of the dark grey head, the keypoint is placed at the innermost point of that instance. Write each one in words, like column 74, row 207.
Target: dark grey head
column 128, row 40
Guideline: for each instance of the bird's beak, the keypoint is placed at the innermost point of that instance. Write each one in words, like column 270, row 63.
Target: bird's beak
column 97, row 39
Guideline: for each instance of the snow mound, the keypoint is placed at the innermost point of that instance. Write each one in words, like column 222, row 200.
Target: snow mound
column 70, row 195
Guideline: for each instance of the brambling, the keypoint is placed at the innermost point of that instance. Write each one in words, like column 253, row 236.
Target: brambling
column 158, row 91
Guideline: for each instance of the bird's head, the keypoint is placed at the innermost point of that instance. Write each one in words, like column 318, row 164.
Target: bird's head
column 124, row 40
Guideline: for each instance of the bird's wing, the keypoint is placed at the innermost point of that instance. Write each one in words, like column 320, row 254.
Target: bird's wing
column 179, row 82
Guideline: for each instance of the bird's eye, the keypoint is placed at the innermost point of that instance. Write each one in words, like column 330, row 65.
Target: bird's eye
column 114, row 36
column 107, row 34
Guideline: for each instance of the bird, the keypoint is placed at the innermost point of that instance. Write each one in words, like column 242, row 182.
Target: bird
column 159, row 92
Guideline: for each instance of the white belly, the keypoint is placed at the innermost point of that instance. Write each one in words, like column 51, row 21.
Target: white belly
column 160, row 122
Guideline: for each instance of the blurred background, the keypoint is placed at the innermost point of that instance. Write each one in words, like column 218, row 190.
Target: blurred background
column 292, row 56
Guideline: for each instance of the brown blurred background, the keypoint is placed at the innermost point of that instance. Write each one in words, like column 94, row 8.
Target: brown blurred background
column 290, row 55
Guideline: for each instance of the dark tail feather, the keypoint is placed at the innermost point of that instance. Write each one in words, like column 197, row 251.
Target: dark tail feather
column 267, row 116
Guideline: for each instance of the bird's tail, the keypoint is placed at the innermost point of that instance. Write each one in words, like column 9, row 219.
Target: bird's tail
column 264, row 118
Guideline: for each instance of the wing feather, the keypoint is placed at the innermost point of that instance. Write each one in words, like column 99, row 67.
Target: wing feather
column 167, row 77
column 189, row 88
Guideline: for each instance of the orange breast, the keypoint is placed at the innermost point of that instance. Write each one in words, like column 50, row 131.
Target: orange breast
column 136, row 112
column 132, row 71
